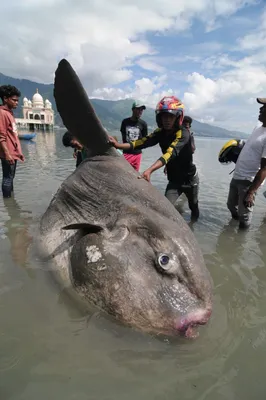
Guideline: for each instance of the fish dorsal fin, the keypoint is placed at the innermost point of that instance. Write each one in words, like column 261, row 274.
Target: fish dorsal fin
column 77, row 112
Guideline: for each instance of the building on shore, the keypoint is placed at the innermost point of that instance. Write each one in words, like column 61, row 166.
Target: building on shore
column 37, row 114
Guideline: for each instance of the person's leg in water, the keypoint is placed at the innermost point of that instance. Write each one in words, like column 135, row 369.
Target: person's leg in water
column 192, row 193
column 172, row 192
column 244, row 213
column 14, row 173
column 9, row 171
column 233, row 199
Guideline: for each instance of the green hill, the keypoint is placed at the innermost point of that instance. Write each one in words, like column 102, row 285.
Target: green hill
column 110, row 112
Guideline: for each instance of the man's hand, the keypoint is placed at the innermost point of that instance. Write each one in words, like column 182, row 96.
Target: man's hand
column 249, row 200
column 113, row 141
column 146, row 175
column 10, row 159
column 117, row 145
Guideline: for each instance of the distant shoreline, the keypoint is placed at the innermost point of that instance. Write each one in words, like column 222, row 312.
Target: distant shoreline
column 198, row 136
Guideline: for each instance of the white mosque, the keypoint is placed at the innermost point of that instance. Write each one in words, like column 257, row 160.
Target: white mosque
column 37, row 114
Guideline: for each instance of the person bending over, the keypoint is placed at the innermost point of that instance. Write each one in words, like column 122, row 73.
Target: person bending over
column 69, row 140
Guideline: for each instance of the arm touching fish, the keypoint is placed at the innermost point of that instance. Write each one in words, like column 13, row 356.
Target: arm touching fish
column 147, row 141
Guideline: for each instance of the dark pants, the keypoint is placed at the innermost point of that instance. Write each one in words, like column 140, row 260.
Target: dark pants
column 9, row 171
column 235, row 202
column 191, row 190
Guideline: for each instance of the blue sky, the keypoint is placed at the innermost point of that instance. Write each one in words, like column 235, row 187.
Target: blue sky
column 210, row 53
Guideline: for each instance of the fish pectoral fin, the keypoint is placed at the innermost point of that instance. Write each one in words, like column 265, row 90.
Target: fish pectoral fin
column 85, row 227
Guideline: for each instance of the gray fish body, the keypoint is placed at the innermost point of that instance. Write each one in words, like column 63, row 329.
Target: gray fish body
column 119, row 242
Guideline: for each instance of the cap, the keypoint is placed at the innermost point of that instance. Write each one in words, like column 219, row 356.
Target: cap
column 261, row 100
column 137, row 104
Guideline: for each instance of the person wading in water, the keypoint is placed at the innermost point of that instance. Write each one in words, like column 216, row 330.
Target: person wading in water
column 134, row 128
column 10, row 149
column 177, row 153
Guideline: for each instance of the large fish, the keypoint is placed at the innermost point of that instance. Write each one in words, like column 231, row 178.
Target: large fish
column 115, row 238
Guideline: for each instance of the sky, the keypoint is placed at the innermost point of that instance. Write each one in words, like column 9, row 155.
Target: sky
column 209, row 53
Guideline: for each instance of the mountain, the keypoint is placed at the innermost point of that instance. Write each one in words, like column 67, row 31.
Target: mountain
column 28, row 88
column 110, row 112
column 121, row 109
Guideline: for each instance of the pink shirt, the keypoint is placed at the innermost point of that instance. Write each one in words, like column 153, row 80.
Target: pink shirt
column 9, row 134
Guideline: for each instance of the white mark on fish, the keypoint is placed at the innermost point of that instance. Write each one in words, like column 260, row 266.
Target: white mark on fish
column 101, row 267
column 93, row 254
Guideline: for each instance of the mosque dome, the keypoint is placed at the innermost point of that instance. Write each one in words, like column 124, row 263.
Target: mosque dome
column 48, row 104
column 37, row 100
column 25, row 102
column 29, row 103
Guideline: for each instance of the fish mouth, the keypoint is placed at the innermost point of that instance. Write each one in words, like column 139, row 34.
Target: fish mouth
column 188, row 324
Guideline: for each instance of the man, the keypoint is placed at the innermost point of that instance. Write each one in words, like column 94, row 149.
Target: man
column 10, row 148
column 134, row 128
column 69, row 140
column 187, row 122
column 175, row 142
column 249, row 173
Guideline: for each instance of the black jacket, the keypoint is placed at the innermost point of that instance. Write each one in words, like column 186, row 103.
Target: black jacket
column 177, row 153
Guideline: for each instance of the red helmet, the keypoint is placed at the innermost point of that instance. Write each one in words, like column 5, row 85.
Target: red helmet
column 170, row 104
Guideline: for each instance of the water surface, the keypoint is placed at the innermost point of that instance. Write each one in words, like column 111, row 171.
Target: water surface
column 49, row 348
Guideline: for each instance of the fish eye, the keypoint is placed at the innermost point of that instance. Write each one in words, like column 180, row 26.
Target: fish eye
column 163, row 260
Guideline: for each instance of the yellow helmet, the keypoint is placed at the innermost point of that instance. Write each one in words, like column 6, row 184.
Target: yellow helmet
column 230, row 151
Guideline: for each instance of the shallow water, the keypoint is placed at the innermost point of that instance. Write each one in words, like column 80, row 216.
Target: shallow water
column 51, row 348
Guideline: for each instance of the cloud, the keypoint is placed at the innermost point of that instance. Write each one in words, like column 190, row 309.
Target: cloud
column 238, row 78
column 147, row 90
column 150, row 65
column 229, row 99
column 256, row 39
column 108, row 41
column 241, row 82
column 102, row 39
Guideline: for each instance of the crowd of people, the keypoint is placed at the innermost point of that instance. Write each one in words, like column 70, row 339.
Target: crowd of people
column 177, row 144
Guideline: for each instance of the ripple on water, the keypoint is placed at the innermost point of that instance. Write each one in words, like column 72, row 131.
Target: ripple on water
column 10, row 352
column 8, row 288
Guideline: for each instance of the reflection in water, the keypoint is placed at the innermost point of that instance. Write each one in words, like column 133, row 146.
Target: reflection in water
column 45, row 150
column 76, row 310
column 17, row 231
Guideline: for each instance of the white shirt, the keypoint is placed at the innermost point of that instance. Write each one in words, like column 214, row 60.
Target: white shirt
column 249, row 159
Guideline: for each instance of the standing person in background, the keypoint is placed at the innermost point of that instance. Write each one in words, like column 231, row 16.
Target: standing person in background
column 10, row 148
column 134, row 128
